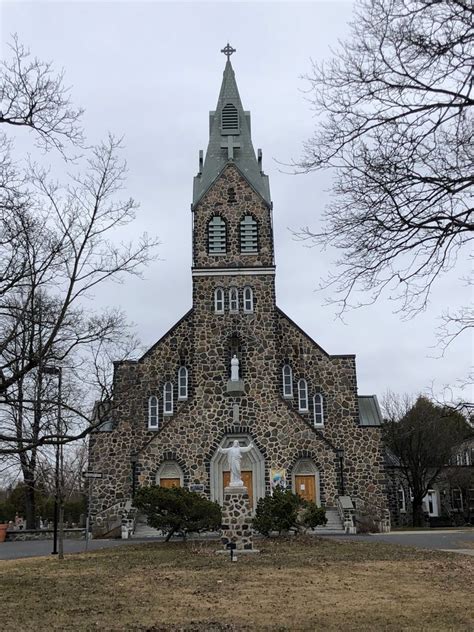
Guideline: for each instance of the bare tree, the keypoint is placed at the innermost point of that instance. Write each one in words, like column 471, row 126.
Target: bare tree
column 56, row 248
column 395, row 105
column 33, row 95
column 29, row 421
column 422, row 438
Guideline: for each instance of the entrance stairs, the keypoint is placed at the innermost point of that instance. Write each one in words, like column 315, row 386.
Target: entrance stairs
column 333, row 526
column 143, row 530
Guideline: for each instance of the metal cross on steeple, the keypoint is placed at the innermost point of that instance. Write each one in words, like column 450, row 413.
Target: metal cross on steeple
column 228, row 50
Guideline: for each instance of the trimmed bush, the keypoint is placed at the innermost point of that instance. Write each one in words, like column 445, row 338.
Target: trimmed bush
column 278, row 512
column 312, row 516
column 177, row 510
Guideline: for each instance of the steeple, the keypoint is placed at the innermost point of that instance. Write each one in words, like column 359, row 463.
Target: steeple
column 230, row 141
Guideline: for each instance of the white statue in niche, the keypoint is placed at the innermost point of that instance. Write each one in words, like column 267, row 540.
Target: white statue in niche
column 234, row 369
column 234, row 457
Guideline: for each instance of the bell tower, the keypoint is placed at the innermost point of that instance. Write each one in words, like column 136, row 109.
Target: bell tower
column 232, row 222
column 233, row 263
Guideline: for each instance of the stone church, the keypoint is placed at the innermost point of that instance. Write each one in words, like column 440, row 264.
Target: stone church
column 294, row 402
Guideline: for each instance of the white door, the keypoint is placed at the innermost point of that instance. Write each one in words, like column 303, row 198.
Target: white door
column 431, row 503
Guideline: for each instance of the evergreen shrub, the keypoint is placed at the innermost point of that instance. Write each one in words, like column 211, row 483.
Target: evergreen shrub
column 177, row 510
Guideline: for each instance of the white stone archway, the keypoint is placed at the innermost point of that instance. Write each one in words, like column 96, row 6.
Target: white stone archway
column 251, row 461
column 306, row 467
column 169, row 471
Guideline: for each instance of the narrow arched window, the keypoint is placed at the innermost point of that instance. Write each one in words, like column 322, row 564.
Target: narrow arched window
column 153, row 422
column 402, row 505
column 302, row 396
column 248, row 235
column 233, row 299
column 287, row 381
column 248, row 299
column 168, row 398
column 217, row 242
column 183, row 383
column 219, row 300
column 318, row 410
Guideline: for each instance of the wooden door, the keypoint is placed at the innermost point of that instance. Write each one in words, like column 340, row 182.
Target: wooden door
column 247, row 479
column 306, row 486
column 170, row 482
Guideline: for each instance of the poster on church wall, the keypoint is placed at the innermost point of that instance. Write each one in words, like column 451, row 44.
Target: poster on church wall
column 278, row 478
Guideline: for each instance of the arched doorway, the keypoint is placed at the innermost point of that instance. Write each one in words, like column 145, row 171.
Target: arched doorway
column 305, row 481
column 253, row 470
column 169, row 474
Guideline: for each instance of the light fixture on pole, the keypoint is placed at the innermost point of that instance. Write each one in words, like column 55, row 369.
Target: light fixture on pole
column 58, row 508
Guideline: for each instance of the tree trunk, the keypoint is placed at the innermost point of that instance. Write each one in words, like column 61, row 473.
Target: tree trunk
column 30, row 503
column 418, row 518
column 168, row 537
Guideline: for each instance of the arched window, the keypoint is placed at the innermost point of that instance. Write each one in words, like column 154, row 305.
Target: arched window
column 219, row 300
column 248, row 299
column 153, row 421
column 402, row 503
column 302, row 396
column 248, row 235
column 217, row 235
column 183, row 383
column 168, row 398
column 287, row 381
column 233, row 299
column 318, row 410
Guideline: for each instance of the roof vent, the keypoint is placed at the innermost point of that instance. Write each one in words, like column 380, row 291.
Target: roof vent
column 230, row 119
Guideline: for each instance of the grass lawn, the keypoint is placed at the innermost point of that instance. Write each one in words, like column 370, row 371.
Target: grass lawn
column 303, row 583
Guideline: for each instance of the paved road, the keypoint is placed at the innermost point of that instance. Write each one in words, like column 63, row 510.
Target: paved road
column 459, row 541
column 41, row 548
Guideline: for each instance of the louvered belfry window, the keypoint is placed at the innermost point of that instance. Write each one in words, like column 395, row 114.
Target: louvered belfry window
column 217, row 236
column 248, row 235
column 230, row 119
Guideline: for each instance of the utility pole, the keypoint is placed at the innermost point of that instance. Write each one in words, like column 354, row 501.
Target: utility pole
column 58, row 502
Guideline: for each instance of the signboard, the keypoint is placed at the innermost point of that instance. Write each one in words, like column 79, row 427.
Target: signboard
column 199, row 488
column 92, row 474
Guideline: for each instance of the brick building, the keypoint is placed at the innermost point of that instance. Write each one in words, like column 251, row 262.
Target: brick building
column 297, row 404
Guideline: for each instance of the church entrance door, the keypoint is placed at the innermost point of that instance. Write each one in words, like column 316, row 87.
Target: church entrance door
column 246, row 476
column 170, row 482
column 306, row 486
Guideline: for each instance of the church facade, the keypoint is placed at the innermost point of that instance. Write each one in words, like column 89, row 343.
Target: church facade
column 294, row 403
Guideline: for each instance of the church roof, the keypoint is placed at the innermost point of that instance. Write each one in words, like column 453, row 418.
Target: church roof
column 230, row 141
column 369, row 410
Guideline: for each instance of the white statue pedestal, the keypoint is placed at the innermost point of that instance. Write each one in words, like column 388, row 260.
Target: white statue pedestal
column 237, row 519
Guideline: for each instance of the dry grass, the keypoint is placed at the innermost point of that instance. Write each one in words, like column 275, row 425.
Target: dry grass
column 300, row 584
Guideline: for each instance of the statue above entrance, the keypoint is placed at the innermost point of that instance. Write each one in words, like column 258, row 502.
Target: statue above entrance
column 234, row 369
column 234, row 457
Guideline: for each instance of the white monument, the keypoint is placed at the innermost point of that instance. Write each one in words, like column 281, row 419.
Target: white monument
column 234, row 457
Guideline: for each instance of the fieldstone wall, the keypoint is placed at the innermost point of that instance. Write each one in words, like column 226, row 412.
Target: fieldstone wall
column 237, row 519
column 203, row 341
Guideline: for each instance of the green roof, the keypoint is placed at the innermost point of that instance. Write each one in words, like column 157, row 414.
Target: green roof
column 369, row 410
column 230, row 142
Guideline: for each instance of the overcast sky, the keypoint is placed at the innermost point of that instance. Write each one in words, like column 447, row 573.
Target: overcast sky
column 151, row 71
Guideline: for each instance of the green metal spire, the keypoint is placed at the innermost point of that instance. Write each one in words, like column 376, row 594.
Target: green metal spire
column 230, row 141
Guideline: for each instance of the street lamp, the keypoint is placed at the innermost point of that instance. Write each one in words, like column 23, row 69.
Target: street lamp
column 58, row 508
column 340, row 456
